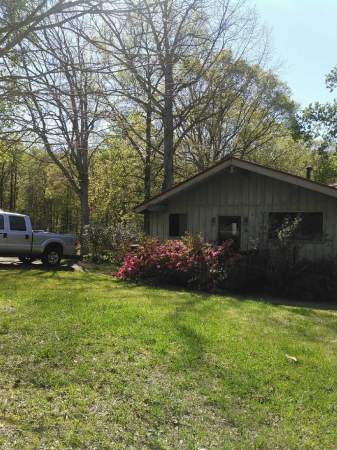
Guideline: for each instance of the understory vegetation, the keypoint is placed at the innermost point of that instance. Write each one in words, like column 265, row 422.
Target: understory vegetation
column 89, row 362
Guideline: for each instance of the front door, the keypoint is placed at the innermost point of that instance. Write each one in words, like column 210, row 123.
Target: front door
column 229, row 228
column 18, row 241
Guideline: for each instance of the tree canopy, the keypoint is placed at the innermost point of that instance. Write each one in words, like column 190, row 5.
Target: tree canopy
column 106, row 103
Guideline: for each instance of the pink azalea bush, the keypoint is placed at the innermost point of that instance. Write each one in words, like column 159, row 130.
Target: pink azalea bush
column 187, row 262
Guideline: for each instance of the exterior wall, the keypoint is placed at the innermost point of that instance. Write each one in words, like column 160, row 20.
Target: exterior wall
column 253, row 197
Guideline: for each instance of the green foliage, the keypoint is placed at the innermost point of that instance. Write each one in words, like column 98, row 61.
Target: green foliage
column 42, row 191
column 115, row 183
column 249, row 109
column 227, row 105
column 326, row 170
column 45, row 194
column 331, row 79
column 285, row 153
column 110, row 242
column 320, row 121
column 285, row 234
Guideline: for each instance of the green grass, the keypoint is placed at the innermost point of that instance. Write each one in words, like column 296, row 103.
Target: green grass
column 87, row 362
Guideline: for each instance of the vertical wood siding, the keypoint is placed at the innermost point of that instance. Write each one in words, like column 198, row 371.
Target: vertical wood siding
column 252, row 197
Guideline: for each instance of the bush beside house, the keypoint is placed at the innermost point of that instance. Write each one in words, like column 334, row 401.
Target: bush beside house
column 110, row 243
column 193, row 264
column 188, row 262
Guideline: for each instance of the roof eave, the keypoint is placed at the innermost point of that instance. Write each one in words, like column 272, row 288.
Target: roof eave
column 245, row 165
column 184, row 185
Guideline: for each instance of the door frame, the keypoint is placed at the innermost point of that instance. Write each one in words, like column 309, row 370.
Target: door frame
column 238, row 220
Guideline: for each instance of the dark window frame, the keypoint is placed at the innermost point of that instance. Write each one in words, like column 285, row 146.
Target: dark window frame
column 222, row 224
column 2, row 222
column 177, row 224
column 17, row 228
column 311, row 228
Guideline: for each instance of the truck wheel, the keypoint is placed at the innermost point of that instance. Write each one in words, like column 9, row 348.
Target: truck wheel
column 26, row 259
column 52, row 256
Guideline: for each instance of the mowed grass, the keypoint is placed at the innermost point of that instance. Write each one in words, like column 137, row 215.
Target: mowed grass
column 91, row 363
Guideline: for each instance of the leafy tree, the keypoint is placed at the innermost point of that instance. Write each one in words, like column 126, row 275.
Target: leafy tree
column 44, row 194
column 11, row 154
column 59, row 103
column 251, row 109
column 284, row 153
column 116, row 182
column 177, row 42
column 319, row 123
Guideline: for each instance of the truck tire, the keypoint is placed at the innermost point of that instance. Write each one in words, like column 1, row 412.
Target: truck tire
column 26, row 259
column 52, row 256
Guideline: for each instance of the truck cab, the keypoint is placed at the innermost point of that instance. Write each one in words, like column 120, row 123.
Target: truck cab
column 15, row 234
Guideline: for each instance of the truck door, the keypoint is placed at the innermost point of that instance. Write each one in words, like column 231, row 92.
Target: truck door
column 18, row 241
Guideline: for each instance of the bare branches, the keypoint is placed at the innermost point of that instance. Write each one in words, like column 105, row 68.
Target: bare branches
column 59, row 94
column 19, row 22
column 168, row 48
column 181, row 79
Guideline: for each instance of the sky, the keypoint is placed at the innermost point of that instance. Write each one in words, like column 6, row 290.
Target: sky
column 304, row 42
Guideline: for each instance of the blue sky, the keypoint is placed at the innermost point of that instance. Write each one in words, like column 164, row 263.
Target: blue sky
column 304, row 41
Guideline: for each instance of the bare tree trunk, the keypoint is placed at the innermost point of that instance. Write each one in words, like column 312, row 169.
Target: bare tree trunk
column 15, row 194
column 84, row 198
column 147, row 167
column 2, row 185
column 12, row 188
column 85, row 211
column 168, row 126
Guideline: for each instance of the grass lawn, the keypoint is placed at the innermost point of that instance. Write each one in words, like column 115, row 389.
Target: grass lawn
column 87, row 362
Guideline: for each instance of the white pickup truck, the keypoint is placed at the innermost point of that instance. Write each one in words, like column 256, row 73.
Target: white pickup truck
column 17, row 238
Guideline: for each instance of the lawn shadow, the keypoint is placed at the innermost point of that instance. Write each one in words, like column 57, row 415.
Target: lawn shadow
column 305, row 308
column 193, row 343
column 19, row 266
column 300, row 306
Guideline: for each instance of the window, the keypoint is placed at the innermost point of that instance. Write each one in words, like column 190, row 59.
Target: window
column 310, row 226
column 2, row 223
column 17, row 223
column 229, row 228
column 177, row 225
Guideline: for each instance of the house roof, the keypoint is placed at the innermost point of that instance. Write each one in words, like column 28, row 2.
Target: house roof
column 241, row 164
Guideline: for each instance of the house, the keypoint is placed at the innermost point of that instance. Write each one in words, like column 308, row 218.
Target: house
column 247, row 202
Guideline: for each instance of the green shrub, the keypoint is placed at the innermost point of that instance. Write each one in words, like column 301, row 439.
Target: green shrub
column 110, row 243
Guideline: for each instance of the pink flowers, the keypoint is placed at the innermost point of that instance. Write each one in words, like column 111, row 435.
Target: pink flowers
column 187, row 262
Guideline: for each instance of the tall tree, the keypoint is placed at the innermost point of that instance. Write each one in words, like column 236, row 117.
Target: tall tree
column 59, row 93
column 184, row 39
column 318, row 122
column 251, row 108
column 10, row 160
